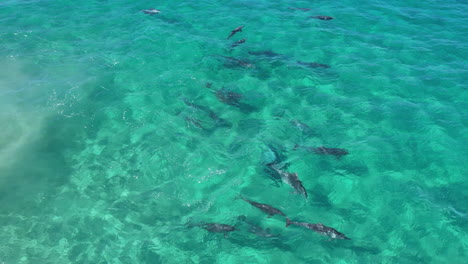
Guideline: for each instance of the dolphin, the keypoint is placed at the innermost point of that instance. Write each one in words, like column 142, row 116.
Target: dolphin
column 228, row 97
column 237, row 62
column 255, row 229
column 237, row 43
column 313, row 64
column 218, row 228
column 268, row 209
column 304, row 128
column 337, row 152
column 220, row 122
column 195, row 122
column 290, row 178
column 212, row 227
column 237, row 29
column 319, row 228
column 151, row 11
column 277, row 155
column 232, row 98
column 266, row 53
column 299, row 8
column 274, row 156
column 322, row 17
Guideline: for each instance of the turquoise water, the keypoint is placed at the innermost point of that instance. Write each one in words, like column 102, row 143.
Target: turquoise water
column 101, row 161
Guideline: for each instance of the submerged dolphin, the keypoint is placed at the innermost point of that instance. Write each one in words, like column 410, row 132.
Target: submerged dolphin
column 267, row 53
column 304, row 128
column 237, row 62
column 257, row 230
column 189, row 120
column 313, row 64
column 220, row 122
column 319, row 228
column 216, row 228
column 237, row 29
column 322, row 17
column 337, row 152
column 274, row 155
column 299, row 8
column 232, row 98
column 228, row 97
column 266, row 208
column 237, row 43
column 290, row 178
column 151, row 11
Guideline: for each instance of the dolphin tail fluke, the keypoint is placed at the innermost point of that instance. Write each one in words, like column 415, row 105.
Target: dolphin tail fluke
column 288, row 222
column 296, row 146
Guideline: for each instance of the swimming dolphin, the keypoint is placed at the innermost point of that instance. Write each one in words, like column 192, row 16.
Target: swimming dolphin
column 237, row 62
column 299, row 8
column 277, row 154
column 322, row 17
column 218, row 228
column 194, row 122
column 232, row 98
column 220, row 122
column 304, row 128
column 151, row 11
column 274, row 155
column 228, row 97
column 313, row 64
column 268, row 209
column 290, row 178
column 267, row 53
column 320, row 228
column 337, row 152
column 255, row 229
column 212, row 227
column 237, row 43
column 237, row 29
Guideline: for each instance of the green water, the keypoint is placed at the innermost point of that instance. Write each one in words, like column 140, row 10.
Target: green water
column 101, row 161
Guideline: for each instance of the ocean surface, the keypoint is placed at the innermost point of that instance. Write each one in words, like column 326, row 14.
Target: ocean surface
column 124, row 134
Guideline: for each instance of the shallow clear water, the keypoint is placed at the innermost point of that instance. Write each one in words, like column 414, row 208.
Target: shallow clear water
column 101, row 161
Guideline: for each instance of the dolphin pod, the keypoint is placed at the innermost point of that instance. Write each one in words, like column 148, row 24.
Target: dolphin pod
column 259, row 231
column 278, row 167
